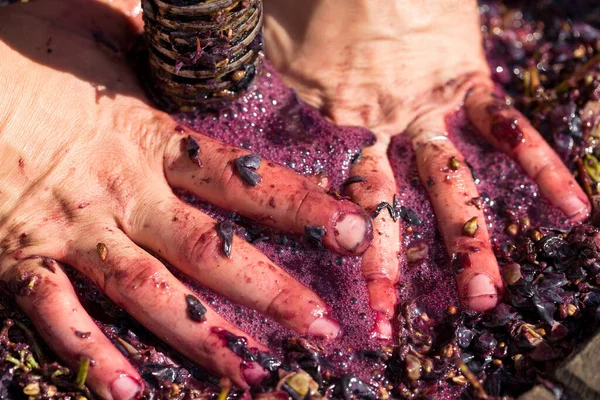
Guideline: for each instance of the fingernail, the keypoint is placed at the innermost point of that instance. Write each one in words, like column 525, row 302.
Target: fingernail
column 353, row 231
column 576, row 209
column 383, row 328
column 325, row 328
column 254, row 373
column 481, row 294
column 125, row 388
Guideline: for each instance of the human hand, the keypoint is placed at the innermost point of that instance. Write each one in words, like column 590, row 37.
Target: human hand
column 398, row 68
column 85, row 180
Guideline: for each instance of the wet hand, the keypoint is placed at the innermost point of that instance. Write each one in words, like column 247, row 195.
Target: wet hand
column 399, row 68
column 86, row 180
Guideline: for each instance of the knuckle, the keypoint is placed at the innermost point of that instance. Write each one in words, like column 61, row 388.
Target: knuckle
column 281, row 306
column 543, row 167
column 47, row 293
column 27, row 280
column 131, row 275
column 114, row 180
column 143, row 126
column 13, row 244
column 464, row 244
column 376, row 190
column 227, row 173
column 25, row 241
column 173, row 150
column 224, row 157
column 378, row 275
column 302, row 204
column 208, row 345
column 21, row 281
column 120, row 180
column 148, row 133
column 200, row 245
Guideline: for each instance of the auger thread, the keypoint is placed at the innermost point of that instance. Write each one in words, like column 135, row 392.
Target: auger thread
column 202, row 53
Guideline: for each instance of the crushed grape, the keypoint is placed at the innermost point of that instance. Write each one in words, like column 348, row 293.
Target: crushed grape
column 195, row 310
column 545, row 55
column 247, row 166
column 225, row 231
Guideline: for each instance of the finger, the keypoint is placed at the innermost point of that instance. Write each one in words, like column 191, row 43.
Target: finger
column 193, row 242
column 281, row 198
column 454, row 197
column 142, row 286
column 380, row 261
column 44, row 292
column 511, row 132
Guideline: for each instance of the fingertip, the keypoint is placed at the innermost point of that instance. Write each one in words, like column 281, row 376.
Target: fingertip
column 126, row 387
column 382, row 296
column 577, row 210
column 481, row 303
column 223, row 360
column 481, row 293
column 558, row 186
column 382, row 328
column 253, row 373
column 353, row 232
column 325, row 328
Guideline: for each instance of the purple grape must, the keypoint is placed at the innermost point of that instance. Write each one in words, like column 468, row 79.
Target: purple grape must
column 546, row 57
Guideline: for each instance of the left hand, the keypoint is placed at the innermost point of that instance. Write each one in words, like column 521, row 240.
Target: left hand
column 86, row 171
column 399, row 67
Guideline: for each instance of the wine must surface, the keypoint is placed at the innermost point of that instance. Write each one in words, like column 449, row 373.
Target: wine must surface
column 546, row 56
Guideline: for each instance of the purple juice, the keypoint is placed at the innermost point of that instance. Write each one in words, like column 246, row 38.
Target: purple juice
column 272, row 121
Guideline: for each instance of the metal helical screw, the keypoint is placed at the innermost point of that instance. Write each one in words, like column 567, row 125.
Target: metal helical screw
column 202, row 53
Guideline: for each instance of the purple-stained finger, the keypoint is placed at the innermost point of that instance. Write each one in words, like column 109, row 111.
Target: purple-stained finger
column 461, row 221
column 510, row 131
column 45, row 293
column 372, row 184
column 264, row 191
column 142, row 286
column 210, row 253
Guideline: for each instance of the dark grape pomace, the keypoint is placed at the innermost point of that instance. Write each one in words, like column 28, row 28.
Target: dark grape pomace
column 551, row 305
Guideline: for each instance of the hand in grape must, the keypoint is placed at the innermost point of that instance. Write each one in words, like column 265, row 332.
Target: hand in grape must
column 400, row 68
column 86, row 178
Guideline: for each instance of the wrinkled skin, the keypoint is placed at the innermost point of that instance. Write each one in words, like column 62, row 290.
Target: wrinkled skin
column 86, row 180
column 399, row 68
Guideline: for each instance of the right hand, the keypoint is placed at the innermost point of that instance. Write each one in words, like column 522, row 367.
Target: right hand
column 85, row 160
column 401, row 67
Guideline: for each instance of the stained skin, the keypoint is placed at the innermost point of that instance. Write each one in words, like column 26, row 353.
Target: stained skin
column 401, row 70
column 65, row 214
column 88, row 181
